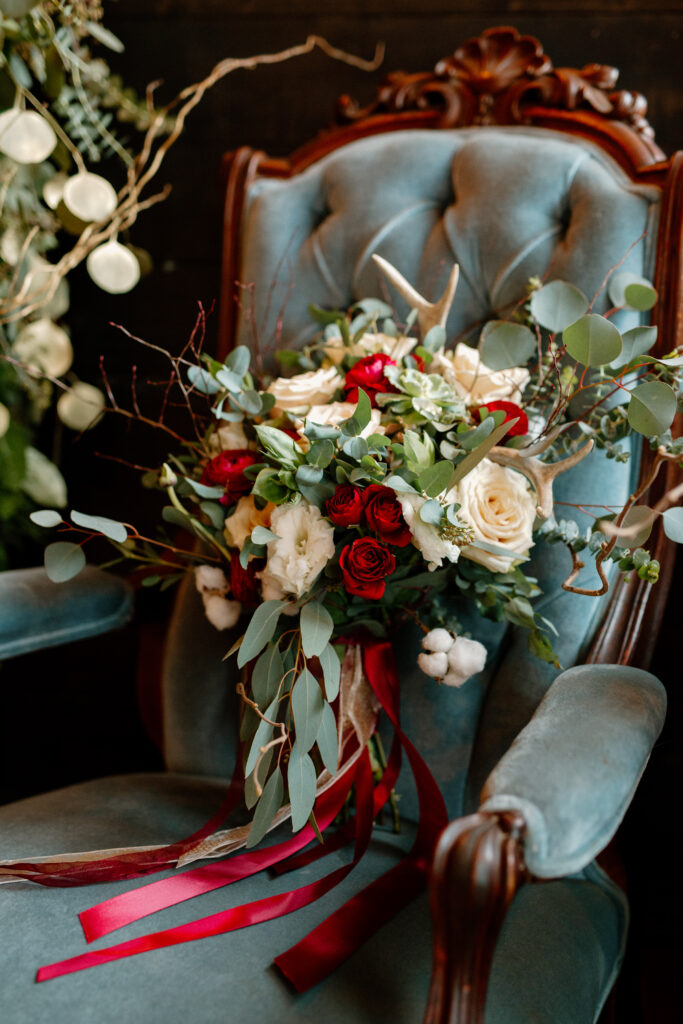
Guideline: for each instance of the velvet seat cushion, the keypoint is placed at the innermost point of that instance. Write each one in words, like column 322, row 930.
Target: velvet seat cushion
column 555, row 961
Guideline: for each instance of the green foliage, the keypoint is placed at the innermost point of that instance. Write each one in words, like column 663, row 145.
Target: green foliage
column 557, row 305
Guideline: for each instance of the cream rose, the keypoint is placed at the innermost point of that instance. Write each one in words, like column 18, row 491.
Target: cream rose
column 304, row 546
column 501, row 509
column 427, row 538
column 368, row 345
column 475, row 381
column 230, row 437
column 306, row 389
column 336, row 412
column 246, row 516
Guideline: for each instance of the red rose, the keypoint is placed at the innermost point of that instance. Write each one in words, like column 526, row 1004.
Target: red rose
column 383, row 514
column 512, row 412
column 365, row 564
column 345, row 507
column 243, row 583
column 368, row 374
column 227, row 470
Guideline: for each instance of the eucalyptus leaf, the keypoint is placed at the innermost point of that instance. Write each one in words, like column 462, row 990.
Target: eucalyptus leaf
column 355, row 448
column 266, row 809
column 262, row 736
column 46, row 517
column 259, row 631
column 202, row 380
column 214, row 512
column 307, row 707
column 301, row 782
column 397, row 483
column 320, row 432
column 321, row 453
column 374, row 307
column 267, row 675
column 629, row 289
column 279, row 445
column 262, row 535
column 308, row 475
column 652, row 408
column 638, row 515
column 238, row 360
column 432, row 511
column 331, row 667
column 173, row 515
column 475, row 457
column 316, row 628
column 63, row 561
column 504, row 344
column 100, row 524
column 470, row 439
column 636, row 342
column 593, row 340
column 204, row 491
column 435, row 338
column 251, row 796
column 327, row 739
column 251, row 402
column 557, row 305
column 673, row 524
column 436, row 478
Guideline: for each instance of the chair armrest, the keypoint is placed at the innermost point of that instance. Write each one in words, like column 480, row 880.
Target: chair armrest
column 572, row 771
column 36, row 613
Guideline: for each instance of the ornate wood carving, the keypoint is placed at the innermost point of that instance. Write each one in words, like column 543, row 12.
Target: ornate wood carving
column 495, row 79
column 477, row 869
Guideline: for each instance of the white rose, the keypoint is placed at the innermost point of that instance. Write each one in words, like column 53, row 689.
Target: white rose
column 368, row 345
column 500, row 508
column 304, row 546
column 465, row 658
column 334, row 413
column 426, row 537
column 246, row 516
column 229, row 437
column 306, row 389
column 475, row 381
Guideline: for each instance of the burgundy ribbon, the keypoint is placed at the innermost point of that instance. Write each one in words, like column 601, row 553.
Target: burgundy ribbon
column 343, row 932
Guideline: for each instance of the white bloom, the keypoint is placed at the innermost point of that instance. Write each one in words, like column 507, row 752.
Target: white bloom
column 500, row 508
column 5, row 419
column 435, row 665
column 334, row 413
column 474, row 380
column 426, row 538
column 221, row 613
column 306, row 389
column 81, row 406
column 42, row 481
column 246, row 516
column 43, row 346
column 438, row 640
column 229, row 437
column 368, row 345
column 304, row 546
column 465, row 658
column 210, row 578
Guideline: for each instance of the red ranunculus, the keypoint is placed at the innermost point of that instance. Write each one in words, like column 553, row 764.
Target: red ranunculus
column 243, row 583
column 227, row 470
column 345, row 507
column 368, row 374
column 365, row 564
column 383, row 514
column 512, row 412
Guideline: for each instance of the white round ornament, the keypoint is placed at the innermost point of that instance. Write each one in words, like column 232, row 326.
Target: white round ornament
column 54, row 189
column 25, row 136
column 4, row 419
column 89, row 197
column 113, row 267
column 80, row 407
column 43, row 346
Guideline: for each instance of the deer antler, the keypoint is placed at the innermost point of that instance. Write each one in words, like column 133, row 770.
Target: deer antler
column 429, row 314
column 541, row 474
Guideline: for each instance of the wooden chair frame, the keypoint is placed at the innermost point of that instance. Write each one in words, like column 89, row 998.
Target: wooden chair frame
column 502, row 78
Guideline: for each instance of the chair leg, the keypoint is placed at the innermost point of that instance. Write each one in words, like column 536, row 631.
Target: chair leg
column 477, row 869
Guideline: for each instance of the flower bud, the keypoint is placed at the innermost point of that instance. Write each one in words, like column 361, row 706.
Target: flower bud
column 167, row 478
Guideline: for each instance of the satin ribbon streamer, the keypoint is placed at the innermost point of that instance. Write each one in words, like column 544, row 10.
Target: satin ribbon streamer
column 332, row 942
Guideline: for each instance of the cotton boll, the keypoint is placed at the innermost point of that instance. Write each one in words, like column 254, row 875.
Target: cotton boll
column 465, row 658
column 435, row 665
column 438, row 640
column 210, row 578
column 221, row 613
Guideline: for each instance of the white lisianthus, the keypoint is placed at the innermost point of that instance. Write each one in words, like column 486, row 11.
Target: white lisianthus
column 334, row 413
column 451, row 659
column 212, row 584
column 427, row 538
column 306, row 389
column 368, row 345
column 246, row 516
column 496, row 502
column 474, row 380
column 230, row 437
column 304, row 546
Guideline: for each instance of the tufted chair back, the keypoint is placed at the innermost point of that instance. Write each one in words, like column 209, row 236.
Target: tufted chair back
column 506, row 202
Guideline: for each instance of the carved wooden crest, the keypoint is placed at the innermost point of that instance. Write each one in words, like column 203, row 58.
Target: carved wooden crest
column 495, row 79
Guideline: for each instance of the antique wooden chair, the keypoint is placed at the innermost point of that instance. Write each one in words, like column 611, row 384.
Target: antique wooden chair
column 511, row 167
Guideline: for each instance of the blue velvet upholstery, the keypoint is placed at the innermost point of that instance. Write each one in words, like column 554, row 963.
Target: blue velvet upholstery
column 506, row 204
column 35, row 613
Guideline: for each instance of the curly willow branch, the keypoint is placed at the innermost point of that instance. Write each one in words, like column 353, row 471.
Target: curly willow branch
column 147, row 164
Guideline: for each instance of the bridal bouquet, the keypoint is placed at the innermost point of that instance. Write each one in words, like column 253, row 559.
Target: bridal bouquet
column 385, row 472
